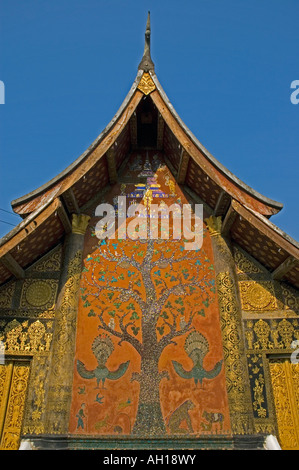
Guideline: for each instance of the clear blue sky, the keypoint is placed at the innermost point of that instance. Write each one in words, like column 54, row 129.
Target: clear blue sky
column 226, row 66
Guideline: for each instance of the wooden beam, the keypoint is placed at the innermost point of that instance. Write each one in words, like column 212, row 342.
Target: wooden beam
column 160, row 132
column 63, row 217
column 71, row 201
column 228, row 220
column 170, row 166
column 284, row 268
column 198, row 200
column 133, row 130
column 222, row 203
column 110, row 154
column 183, row 166
column 11, row 264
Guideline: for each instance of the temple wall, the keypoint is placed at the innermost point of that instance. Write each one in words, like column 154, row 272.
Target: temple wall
column 270, row 320
column 27, row 312
column 149, row 356
column 111, row 339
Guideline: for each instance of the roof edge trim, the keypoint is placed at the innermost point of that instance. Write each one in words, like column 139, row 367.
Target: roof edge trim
column 250, row 214
column 27, row 197
column 270, row 202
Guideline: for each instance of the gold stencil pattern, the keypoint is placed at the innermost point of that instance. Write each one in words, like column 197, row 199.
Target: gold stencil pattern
column 146, row 84
column 291, row 297
column 257, row 296
column 273, row 335
column 39, row 293
column 234, row 358
column 59, row 395
column 26, row 337
column 35, row 408
column 244, row 264
column 285, row 382
column 6, row 294
column 50, row 262
column 14, row 386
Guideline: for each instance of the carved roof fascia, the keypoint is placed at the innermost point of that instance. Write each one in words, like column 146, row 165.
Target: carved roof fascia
column 269, row 229
column 271, row 206
column 61, row 177
column 27, row 226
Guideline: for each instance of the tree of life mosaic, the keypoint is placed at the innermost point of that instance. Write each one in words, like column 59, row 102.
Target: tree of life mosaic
column 149, row 359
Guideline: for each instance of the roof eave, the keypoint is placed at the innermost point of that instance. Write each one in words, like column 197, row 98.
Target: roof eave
column 54, row 181
column 277, row 206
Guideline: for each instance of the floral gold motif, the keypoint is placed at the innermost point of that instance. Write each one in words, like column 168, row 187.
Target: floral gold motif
column 214, row 225
column 59, row 394
column 11, row 427
column 273, row 335
column 80, row 223
column 244, row 264
column 146, row 84
column 26, row 337
column 233, row 355
column 258, row 296
column 39, row 293
column 6, row 294
column 285, row 383
column 50, row 262
column 36, row 404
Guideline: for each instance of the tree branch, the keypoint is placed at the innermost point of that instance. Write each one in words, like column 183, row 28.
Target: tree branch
column 168, row 339
column 124, row 335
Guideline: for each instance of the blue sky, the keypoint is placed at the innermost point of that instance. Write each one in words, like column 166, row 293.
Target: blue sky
column 226, row 66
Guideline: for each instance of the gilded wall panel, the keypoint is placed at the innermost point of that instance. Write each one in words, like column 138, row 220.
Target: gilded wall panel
column 26, row 337
column 245, row 264
column 285, row 384
column 35, row 408
column 290, row 298
column 260, row 388
column 49, row 263
column 275, row 335
column 235, row 362
column 6, row 295
column 270, row 312
column 27, row 311
column 39, row 293
column 12, row 422
column 258, row 295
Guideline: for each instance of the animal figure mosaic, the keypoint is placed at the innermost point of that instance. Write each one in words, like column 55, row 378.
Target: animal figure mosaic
column 212, row 418
column 196, row 346
column 102, row 348
column 179, row 416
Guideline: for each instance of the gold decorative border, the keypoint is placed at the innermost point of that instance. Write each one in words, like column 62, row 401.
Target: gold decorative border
column 234, row 356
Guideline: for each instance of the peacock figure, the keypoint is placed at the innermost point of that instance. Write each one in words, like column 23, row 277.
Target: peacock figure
column 102, row 348
column 197, row 346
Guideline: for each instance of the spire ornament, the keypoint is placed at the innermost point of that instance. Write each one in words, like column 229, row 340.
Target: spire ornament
column 146, row 63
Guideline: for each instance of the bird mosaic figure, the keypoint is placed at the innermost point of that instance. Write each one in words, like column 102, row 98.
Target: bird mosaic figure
column 102, row 348
column 197, row 346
